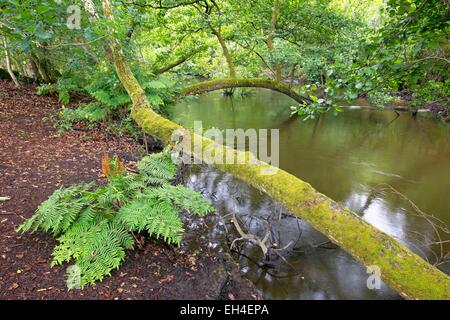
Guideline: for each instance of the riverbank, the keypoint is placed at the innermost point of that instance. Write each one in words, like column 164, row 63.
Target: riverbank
column 34, row 161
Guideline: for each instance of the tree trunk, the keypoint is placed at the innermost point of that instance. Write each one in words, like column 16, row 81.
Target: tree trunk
column 8, row 63
column 35, row 71
column 292, row 76
column 226, row 53
column 213, row 85
column 42, row 70
column 177, row 62
column 404, row 271
column 273, row 27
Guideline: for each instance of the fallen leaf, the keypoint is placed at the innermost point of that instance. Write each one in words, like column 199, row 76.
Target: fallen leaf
column 13, row 286
column 167, row 278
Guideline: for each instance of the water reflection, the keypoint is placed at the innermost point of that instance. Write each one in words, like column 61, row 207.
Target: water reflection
column 344, row 157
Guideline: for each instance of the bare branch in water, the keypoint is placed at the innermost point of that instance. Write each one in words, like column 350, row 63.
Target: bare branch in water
column 440, row 229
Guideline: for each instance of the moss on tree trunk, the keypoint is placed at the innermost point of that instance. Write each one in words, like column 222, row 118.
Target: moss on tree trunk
column 213, row 85
column 401, row 269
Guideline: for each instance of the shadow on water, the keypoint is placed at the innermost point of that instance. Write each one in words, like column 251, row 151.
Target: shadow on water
column 345, row 157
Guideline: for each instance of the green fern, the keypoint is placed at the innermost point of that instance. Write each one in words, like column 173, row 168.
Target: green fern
column 91, row 112
column 158, row 217
column 45, row 89
column 93, row 226
column 59, row 211
column 158, row 166
column 97, row 248
column 183, row 198
column 63, row 87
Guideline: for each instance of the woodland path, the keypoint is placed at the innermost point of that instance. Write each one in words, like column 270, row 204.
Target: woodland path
column 34, row 161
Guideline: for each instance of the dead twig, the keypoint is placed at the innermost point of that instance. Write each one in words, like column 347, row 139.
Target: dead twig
column 440, row 229
column 250, row 237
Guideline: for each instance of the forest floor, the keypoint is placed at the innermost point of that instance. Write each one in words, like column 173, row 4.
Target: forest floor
column 34, row 161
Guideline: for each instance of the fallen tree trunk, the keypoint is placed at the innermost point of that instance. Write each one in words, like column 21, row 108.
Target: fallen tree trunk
column 213, row 85
column 404, row 271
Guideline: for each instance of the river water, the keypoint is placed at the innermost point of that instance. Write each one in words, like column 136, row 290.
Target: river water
column 353, row 158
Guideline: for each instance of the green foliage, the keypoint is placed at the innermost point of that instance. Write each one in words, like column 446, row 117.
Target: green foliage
column 63, row 88
column 88, row 113
column 59, row 211
column 407, row 54
column 158, row 166
column 155, row 215
column 107, row 89
column 354, row 48
column 45, row 89
column 94, row 225
column 98, row 247
column 319, row 104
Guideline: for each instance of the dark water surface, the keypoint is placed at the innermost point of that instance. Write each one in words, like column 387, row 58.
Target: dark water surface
column 346, row 157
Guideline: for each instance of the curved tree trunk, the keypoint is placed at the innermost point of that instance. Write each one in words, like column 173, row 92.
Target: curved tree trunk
column 226, row 53
column 213, row 85
column 172, row 65
column 404, row 271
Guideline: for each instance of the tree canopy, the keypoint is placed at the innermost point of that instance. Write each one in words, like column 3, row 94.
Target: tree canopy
column 327, row 50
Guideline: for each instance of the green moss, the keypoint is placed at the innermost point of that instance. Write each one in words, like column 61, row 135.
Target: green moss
column 404, row 271
column 219, row 84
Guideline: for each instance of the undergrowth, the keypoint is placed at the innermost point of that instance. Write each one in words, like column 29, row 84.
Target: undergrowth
column 94, row 225
column 110, row 104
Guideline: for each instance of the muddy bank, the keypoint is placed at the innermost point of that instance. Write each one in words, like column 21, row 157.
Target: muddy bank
column 34, row 161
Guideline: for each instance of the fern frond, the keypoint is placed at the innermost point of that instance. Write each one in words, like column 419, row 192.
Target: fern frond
column 94, row 225
column 182, row 197
column 157, row 216
column 59, row 211
column 98, row 248
column 116, row 192
column 158, row 165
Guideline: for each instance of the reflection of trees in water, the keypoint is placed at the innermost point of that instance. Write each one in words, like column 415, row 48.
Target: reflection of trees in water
column 344, row 157
column 315, row 269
